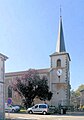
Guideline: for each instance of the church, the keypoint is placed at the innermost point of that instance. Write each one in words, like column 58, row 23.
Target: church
column 58, row 75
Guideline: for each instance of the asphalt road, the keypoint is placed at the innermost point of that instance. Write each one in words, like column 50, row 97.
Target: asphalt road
column 15, row 116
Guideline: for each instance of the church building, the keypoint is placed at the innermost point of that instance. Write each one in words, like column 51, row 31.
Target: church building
column 58, row 75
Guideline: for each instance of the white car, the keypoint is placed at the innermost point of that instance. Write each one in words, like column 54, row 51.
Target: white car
column 12, row 108
column 38, row 108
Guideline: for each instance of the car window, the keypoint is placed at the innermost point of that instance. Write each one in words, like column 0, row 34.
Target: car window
column 42, row 106
column 36, row 106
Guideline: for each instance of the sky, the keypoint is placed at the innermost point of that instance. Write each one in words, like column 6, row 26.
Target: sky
column 29, row 30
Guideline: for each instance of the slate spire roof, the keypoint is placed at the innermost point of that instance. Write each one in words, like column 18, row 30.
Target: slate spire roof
column 60, row 41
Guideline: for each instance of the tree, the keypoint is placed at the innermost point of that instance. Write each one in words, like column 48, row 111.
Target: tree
column 31, row 85
column 81, row 87
column 75, row 96
column 76, row 93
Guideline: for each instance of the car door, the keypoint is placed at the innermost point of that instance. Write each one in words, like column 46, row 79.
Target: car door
column 40, row 108
column 35, row 109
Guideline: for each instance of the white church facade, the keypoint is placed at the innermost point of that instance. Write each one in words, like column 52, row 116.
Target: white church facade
column 58, row 75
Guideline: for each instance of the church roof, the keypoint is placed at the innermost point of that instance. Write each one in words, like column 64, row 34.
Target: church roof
column 60, row 53
column 60, row 41
column 60, row 47
column 20, row 73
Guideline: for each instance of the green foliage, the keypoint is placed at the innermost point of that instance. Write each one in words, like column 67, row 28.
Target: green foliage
column 81, row 87
column 75, row 95
column 77, row 92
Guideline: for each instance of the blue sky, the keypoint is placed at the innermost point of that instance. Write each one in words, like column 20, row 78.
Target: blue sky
column 29, row 29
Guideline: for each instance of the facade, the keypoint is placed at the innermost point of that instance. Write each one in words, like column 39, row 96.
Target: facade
column 58, row 74
column 2, row 87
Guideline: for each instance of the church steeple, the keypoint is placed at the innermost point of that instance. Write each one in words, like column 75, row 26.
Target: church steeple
column 60, row 41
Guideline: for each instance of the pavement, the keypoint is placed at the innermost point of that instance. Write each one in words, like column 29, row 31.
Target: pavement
column 18, row 116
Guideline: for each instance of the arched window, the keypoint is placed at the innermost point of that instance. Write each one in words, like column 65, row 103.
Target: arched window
column 9, row 92
column 58, row 63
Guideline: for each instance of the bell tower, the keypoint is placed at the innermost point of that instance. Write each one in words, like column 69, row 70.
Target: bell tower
column 60, row 71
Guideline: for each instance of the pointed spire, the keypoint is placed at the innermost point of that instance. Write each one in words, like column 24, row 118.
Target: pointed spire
column 60, row 41
column 60, row 11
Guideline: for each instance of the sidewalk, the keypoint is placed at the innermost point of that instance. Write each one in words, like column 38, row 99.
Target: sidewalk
column 21, row 118
column 74, row 113
column 67, row 116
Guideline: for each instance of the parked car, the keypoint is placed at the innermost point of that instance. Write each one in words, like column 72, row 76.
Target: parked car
column 12, row 108
column 39, row 108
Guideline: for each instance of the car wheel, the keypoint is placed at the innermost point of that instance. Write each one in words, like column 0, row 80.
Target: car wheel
column 44, row 113
column 13, row 110
column 30, row 112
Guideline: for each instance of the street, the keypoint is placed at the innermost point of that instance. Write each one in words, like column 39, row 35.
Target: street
column 18, row 116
